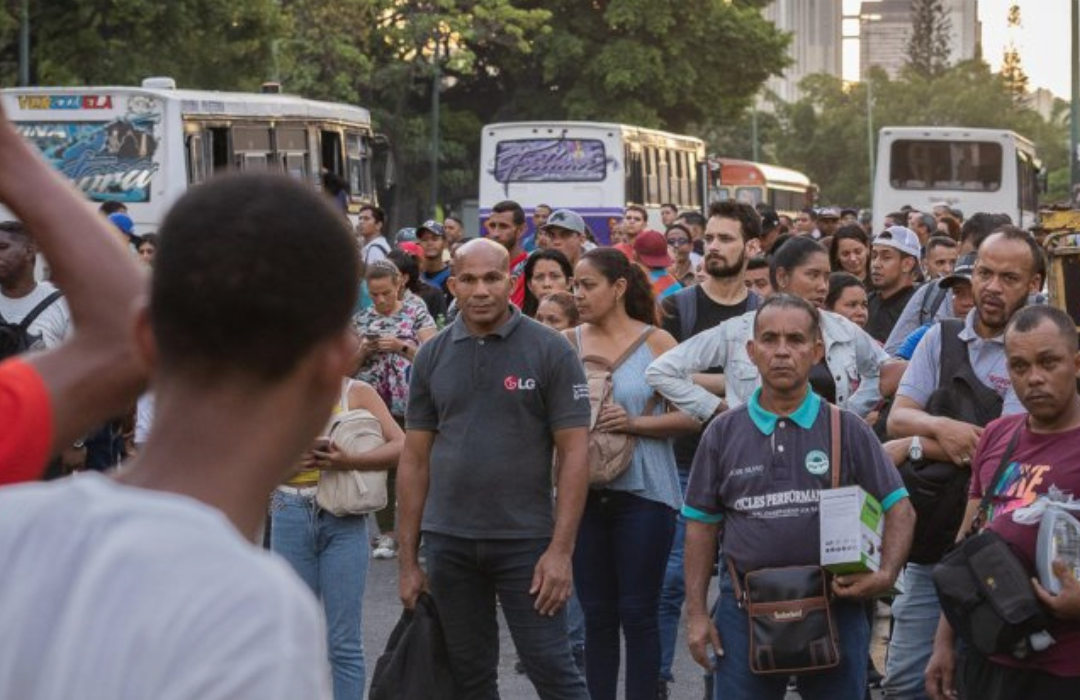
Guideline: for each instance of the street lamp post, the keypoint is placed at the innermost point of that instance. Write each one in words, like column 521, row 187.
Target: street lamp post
column 24, row 44
column 436, row 81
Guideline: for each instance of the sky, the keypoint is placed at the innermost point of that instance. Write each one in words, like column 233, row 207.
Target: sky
column 1042, row 39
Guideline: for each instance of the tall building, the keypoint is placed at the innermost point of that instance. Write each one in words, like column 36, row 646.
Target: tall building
column 815, row 41
column 885, row 29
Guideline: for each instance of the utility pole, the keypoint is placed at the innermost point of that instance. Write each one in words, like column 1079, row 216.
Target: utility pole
column 1074, row 140
column 755, row 147
column 24, row 44
column 870, row 129
column 435, row 83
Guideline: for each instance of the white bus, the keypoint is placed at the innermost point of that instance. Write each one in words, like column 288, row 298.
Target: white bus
column 593, row 168
column 990, row 170
column 144, row 146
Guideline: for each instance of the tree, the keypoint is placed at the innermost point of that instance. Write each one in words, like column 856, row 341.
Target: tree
column 1016, row 80
column 929, row 45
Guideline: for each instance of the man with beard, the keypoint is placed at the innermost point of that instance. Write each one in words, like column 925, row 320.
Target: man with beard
column 965, row 363
column 506, row 226
column 723, row 295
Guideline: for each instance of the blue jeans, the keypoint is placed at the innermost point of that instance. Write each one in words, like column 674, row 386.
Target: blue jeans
column 674, row 591
column 622, row 551
column 735, row 681
column 331, row 555
column 465, row 576
column 915, row 618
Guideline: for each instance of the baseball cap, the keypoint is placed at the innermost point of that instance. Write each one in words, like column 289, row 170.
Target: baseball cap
column 412, row 249
column 901, row 238
column 430, row 225
column 769, row 219
column 405, row 234
column 965, row 267
column 829, row 213
column 567, row 219
column 652, row 249
column 123, row 222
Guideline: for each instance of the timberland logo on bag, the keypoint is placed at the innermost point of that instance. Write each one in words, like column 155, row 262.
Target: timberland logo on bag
column 513, row 383
column 784, row 615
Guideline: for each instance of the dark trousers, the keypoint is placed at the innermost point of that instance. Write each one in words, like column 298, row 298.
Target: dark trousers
column 619, row 563
column 979, row 678
column 465, row 576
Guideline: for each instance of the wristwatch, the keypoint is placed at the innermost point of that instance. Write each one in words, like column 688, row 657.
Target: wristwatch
column 915, row 450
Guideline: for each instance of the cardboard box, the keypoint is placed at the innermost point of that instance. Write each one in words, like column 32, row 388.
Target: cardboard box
column 851, row 522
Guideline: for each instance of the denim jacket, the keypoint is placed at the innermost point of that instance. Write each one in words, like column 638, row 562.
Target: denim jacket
column 853, row 357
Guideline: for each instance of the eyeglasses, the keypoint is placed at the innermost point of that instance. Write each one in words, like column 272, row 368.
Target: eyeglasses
column 678, row 241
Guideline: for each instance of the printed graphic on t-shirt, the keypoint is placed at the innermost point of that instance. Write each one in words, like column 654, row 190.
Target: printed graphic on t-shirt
column 1020, row 486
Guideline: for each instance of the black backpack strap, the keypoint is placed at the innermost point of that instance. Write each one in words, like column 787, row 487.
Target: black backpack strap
column 988, row 494
column 953, row 350
column 37, row 310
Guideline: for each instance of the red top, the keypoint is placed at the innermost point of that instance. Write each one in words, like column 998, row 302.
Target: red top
column 26, row 423
column 517, row 274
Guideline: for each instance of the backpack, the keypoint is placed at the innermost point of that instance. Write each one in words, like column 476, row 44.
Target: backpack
column 931, row 302
column 609, row 453
column 686, row 303
column 15, row 338
column 345, row 492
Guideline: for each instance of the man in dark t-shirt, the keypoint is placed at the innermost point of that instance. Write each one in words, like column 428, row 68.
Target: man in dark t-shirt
column 492, row 399
column 722, row 295
column 1041, row 348
column 894, row 257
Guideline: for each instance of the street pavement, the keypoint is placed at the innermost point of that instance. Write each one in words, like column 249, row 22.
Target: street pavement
column 382, row 609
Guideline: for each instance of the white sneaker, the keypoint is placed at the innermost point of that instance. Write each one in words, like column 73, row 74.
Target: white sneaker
column 385, row 548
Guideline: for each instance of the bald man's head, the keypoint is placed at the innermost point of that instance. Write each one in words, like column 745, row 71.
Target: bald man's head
column 487, row 250
column 481, row 283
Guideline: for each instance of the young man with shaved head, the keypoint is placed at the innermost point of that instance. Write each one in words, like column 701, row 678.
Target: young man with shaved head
column 491, row 398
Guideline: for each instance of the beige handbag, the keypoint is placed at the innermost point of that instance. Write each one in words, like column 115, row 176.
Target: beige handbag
column 353, row 492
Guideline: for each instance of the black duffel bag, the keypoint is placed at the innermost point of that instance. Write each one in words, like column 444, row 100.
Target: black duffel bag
column 415, row 665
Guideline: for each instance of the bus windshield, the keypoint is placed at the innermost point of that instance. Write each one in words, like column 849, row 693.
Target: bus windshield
column 550, row 160
column 107, row 160
column 945, row 165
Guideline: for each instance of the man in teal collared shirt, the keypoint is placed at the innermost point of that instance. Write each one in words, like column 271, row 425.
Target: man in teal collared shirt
column 759, row 470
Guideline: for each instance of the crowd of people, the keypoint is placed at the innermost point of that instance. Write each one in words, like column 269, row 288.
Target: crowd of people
column 740, row 362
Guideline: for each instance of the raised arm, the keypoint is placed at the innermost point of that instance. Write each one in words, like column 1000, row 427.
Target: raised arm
column 96, row 375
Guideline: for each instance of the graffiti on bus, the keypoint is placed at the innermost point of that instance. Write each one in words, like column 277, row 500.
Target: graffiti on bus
column 550, row 160
column 109, row 161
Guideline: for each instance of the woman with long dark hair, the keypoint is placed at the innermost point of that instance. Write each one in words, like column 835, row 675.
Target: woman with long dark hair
column 627, row 526
column 546, row 271
column 849, row 251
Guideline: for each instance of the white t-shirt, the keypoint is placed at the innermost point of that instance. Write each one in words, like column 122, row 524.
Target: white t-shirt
column 375, row 249
column 51, row 327
column 111, row 591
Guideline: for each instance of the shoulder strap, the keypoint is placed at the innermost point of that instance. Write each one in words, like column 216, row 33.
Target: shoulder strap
column 988, row 494
column 686, row 303
column 834, row 431
column 37, row 310
column 953, row 350
column 930, row 302
column 645, row 333
column 753, row 301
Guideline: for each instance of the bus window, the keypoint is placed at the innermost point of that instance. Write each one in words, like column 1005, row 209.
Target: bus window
column 635, row 177
column 358, row 157
column 252, row 147
column 254, row 162
column 331, row 151
column 664, row 176
column 220, row 151
column 652, row 185
column 952, row 165
column 292, row 151
column 749, row 195
column 196, row 159
column 550, row 160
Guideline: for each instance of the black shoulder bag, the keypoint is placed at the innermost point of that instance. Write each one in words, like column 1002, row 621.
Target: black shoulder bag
column 791, row 624
column 984, row 590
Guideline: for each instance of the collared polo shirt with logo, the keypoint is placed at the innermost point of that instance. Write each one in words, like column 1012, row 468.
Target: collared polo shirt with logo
column 494, row 403
column 761, row 474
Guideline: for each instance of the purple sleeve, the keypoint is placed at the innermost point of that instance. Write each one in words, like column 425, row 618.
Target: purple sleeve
column 702, row 501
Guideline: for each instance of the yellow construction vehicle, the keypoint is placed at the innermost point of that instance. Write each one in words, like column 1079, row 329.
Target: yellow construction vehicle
column 1059, row 233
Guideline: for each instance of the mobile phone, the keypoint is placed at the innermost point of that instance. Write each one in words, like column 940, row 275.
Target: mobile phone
column 322, row 444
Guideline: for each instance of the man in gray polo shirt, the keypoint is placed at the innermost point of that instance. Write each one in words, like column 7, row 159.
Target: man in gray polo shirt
column 490, row 398
column 759, row 471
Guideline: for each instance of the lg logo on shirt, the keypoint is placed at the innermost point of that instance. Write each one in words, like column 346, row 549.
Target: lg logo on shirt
column 513, row 383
